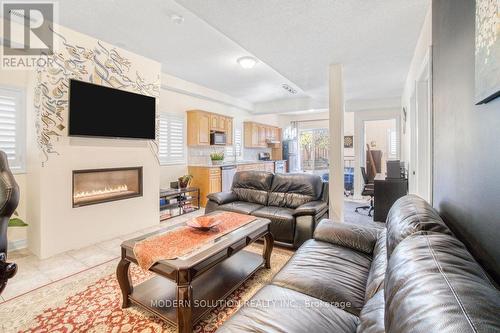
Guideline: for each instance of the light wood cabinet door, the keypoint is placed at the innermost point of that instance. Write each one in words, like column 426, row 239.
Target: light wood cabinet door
column 198, row 128
column 214, row 181
column 204, row 129
column 222, row 123
column 214, row 122
column 229, row 131
column 274, row 134
column 262, row 136
column 269, row 133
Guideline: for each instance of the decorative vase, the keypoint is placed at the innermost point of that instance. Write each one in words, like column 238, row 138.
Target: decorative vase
column 183, row 184
column 217, row 162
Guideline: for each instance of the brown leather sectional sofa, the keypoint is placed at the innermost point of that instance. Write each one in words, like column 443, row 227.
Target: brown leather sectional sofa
column 412, row 276
column 295, row 203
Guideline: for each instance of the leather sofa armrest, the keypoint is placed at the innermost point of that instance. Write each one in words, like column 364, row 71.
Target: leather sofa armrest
column 356, row 237
column 222, row 198
column 310, row 208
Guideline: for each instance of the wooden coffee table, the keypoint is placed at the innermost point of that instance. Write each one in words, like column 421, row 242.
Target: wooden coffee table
column 186, row 288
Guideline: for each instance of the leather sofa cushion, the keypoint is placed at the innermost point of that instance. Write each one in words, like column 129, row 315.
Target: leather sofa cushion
column 241, row 207
column 433, row 284
column 329, row 272
column 252, row 186
column 283, row 222
column 292, row 190
column 408, row 215
column 379, row 265
column 274, row 309
column 357, row 237
column 371, row 319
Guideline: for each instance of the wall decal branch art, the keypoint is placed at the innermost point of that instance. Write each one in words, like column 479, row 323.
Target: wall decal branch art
column 97, row 64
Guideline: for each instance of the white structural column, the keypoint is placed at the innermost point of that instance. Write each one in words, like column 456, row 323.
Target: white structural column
column 336, row 155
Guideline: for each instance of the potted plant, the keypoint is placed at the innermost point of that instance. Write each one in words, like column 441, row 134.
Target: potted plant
column 184, row 181
column 217, row 157
column 16, row 221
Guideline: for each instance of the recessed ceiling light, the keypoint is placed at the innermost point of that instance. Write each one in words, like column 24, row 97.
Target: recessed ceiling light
column 176, row 18
column 247, row 62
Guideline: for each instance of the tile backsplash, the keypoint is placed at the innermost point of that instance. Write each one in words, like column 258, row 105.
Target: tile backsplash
column 201, row 155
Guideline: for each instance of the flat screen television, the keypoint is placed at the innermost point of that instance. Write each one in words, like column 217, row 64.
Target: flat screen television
column 100, row 111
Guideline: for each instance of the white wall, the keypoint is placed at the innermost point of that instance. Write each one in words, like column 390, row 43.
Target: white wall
column 54, row 225
column 421, row 50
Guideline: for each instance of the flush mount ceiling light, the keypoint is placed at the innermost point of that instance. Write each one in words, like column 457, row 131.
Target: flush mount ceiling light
column 247, row 62
column 176, row 18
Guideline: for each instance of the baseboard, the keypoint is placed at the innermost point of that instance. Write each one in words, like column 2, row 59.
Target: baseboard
column 17, row 245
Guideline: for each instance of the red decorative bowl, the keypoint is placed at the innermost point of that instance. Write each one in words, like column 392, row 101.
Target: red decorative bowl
column 203, row 223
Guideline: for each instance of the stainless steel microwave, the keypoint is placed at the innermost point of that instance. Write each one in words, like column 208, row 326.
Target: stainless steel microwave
column 217, row 138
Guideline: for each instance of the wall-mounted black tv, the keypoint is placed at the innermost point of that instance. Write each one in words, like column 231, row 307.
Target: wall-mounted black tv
column 100, row 111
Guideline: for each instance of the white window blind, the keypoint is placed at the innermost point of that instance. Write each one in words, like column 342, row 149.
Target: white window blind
column 12, row 134
column 238, row 141
column 171, row 141
column 235, row 149
column 393, row 144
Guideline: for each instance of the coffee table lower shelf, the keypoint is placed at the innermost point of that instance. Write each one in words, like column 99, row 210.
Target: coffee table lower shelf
column 159, row 295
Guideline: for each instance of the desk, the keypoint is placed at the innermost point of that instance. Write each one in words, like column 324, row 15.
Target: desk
column 386, row 192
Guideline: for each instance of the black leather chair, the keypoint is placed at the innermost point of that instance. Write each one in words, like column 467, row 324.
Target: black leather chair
column 9, row 198
column 368, row 190
column 295, row 203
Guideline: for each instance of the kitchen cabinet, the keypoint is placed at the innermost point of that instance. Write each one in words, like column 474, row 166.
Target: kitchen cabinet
column 198, row 128
column 207, row 179
column 200, row 123
column 258, row 135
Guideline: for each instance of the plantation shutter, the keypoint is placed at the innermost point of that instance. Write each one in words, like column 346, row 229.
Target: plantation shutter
column 12, row 140
column 171, row 141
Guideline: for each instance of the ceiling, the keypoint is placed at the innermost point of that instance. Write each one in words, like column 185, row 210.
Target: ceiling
column 294, row 40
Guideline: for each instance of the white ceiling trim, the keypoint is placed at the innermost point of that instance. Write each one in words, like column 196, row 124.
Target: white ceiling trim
column 178, row 85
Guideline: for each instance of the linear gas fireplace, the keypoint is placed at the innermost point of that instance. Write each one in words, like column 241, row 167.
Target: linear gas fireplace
column 95, row 186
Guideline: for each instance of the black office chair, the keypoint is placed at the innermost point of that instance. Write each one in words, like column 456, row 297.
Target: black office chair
column 368, row 190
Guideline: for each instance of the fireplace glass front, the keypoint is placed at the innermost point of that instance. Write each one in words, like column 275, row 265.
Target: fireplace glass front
column 103, row 185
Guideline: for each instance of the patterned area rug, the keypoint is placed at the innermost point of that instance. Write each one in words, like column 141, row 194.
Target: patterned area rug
column 90, row 302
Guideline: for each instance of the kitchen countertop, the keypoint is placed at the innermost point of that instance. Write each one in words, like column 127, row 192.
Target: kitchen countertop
column 231, row 163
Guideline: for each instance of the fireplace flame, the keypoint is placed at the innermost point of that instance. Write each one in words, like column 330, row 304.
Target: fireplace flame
column 107, row 190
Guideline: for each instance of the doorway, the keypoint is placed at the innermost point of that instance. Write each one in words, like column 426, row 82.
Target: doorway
column 381, row 137
column 420, row 164
column 313, row 150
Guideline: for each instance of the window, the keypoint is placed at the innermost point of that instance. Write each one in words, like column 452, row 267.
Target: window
column 393, row 144
column 238, row 142
column 171, row 141
column 12, row 132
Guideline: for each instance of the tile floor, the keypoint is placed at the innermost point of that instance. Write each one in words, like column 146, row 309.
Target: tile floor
column 34, row 273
